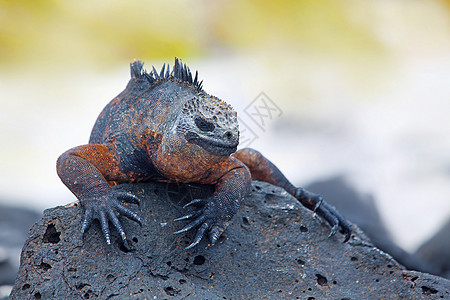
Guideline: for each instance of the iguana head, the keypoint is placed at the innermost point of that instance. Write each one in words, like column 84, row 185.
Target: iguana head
column 209, row 123
column 201, row 120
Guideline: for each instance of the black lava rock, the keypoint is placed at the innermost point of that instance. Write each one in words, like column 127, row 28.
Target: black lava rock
column 273, row 248
column 15, row 223
column 361, row 210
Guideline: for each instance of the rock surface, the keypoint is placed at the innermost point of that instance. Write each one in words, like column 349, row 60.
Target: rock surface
column 273, row 248
column 15, row 223
column 361, row 210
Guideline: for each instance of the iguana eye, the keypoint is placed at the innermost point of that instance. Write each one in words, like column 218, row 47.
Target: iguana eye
column 203, row 124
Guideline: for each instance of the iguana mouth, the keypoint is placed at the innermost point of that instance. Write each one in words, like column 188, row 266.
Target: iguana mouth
column 212, row 146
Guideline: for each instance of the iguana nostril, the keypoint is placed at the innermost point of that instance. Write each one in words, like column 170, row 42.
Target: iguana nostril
column 228, row 135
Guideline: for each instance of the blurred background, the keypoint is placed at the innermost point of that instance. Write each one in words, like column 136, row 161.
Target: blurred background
column 359, row 90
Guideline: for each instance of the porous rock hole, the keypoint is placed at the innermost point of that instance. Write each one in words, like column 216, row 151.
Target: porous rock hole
column 199, row 260
column 124, row 248
column 428, row 291
column 321, row 280
column 45, row 266
column 51, row 235
column 170, row 291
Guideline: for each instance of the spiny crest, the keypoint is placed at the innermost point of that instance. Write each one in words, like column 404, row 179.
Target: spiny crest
column 179, row 71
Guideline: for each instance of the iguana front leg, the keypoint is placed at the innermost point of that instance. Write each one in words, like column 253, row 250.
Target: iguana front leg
column 264, row 170
column 86, row 171
column 213, row 215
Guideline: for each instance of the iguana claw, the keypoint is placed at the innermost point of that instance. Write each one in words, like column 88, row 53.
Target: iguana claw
column 328, row 212
column 209, row 218
column 107, row 208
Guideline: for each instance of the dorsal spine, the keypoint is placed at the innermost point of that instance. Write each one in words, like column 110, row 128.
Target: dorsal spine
column 179, row 71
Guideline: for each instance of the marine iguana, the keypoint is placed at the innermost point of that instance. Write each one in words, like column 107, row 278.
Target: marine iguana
column 164, row 126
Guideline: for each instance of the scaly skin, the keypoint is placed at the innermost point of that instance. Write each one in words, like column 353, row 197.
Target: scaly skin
column 163, row 126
